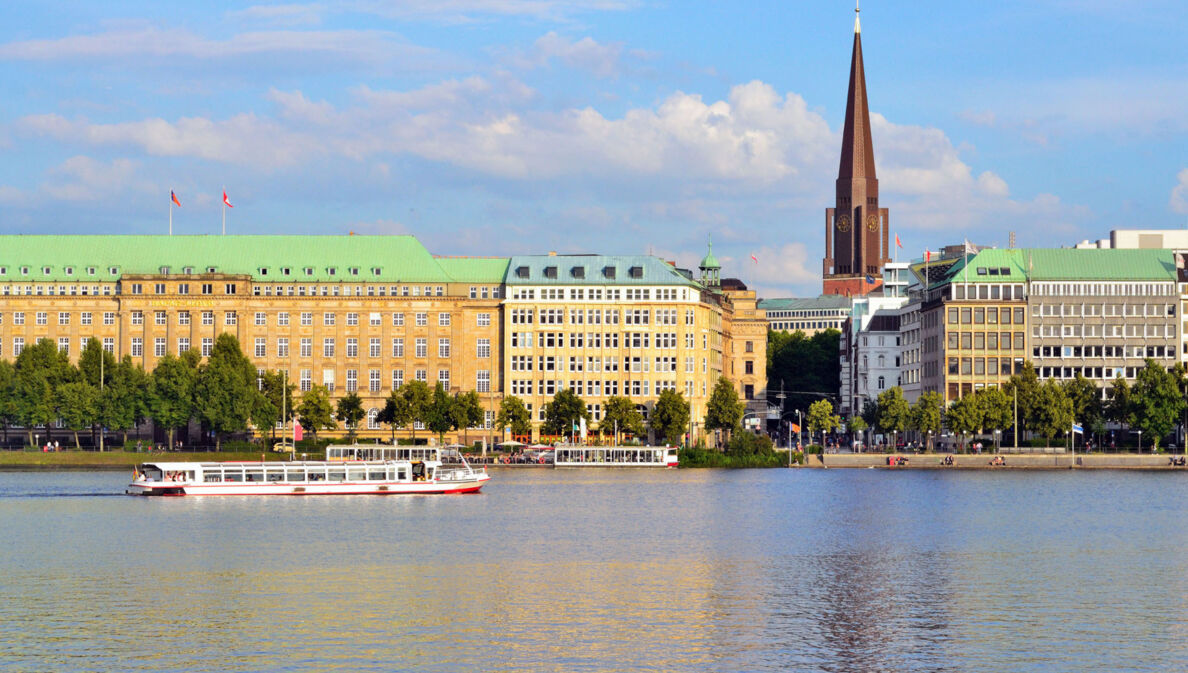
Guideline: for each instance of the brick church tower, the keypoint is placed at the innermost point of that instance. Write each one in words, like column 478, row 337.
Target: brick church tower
column 856, row 227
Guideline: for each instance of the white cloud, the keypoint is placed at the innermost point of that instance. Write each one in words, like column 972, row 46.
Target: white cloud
column 281, row 15
column 1179, row 194
column 602, row 60
column 472, row 10
column 789, row 264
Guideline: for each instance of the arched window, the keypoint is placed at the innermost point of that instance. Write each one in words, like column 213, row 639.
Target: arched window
column 882, row 383
column 372, row 423
column 882, row 361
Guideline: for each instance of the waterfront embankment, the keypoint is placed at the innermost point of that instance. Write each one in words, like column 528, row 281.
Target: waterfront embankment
column 117, row 460
column 1013, row 461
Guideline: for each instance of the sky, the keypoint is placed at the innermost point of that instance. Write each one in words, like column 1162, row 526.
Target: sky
column 500, row 127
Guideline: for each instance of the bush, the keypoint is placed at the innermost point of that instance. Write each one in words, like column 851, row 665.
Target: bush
column 712, row 458
column 813, row 448
column 748, row 443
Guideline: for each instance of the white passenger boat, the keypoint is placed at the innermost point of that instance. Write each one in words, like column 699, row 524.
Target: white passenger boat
column 615, row 456
column 422, row 472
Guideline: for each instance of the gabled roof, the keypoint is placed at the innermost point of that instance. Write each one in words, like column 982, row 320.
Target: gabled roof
column 593, row 270
column 264, row 258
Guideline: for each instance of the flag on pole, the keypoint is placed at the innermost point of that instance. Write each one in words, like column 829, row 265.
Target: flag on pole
column 298, row 432
column 897, row 243
column 1077, row 429
column 870, row 279
column 173, row 198
column 225, row 201
column 754, row 258
column 927, row 256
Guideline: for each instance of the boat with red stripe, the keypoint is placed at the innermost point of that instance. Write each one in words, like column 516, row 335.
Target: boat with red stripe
column 422, row 472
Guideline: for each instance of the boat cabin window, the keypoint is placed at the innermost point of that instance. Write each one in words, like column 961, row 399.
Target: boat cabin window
column 232, row 474
column 418, row 471
column 377, row 474
column 336, row 474
column 357, row 474
column 254, row 475
column 151, row 472
column 295, row 474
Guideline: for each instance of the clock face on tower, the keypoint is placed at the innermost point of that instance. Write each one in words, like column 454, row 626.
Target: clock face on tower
column 843, row 223
column 872, row 222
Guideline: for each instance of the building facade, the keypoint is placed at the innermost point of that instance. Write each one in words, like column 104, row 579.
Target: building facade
column 806, row 315
column 365, row 314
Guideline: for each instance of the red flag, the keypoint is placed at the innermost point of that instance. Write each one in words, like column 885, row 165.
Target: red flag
column 173, row 198
column 225, row 201
column 298, row 433
column 754, row 258
column 927, row 255
column 897, row 243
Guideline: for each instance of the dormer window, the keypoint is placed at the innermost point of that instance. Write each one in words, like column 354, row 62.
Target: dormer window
column 521, row 272
column 309, row 270
column 375, row 271
column 90, row 271
column 332, row 271
column 550, row 272
column 636, row 272
column 45, row 270
column 114, row 270
column 578, row 272
column 211, row 269
column 354, row 270
column 3, row 270
column 70, row 271
column 285, row 270
column 608, row 272
column 263, row 271
column 187, row 270
column 164, row 271
column 24, row 271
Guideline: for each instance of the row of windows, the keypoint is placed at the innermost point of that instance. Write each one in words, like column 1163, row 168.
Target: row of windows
column 833, row 313
column 1167, row 289
column 986, row 340
column 577, row 316
column 1079, row 330
column 989, row 315
column 59, row 290
column 550, row 363
column 599, row 294
column 961, row 291
column 482, row 381
column 1158, row 352
column 260, row 319
column 374, row 348
column 362, row 291
column 815, row 324
column 600, row 340
column 594, row 388
column 984, row 366
column 1092, row 310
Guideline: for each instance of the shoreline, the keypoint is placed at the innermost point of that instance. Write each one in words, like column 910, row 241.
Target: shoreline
column 1014, row 461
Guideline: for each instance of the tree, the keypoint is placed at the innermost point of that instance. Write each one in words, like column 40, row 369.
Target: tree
column 1024, row 386
column 804, row 365
column 226, row 392
column 822, row 419
column 123, row 403
column 670, row 417
column 1053, row 412
column 418, row 396
column 350, row 411
column 97, row 366
column 439, row 415
column 620, row 415
column 857, row 424
column 277, row 403
column 396, row 412
column 513, row 414
column 996, row 407
column 964, row 416
column 1157, row 401
column 315, row 412
column 8, row 408
column 77, row 404
column 1086, row 401
column 1120, row 406
column 724, row 411
column 894, row 413
column 467, row 412
column 563, row 412
column 926, row 414
column 39, row 370
column 172, row 385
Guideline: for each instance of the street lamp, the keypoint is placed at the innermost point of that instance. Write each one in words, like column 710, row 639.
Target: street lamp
column 997, row 440
column 1140, row 433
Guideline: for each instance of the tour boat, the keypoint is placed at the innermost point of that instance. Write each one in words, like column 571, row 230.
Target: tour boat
column 421, row 472
column 615, row 456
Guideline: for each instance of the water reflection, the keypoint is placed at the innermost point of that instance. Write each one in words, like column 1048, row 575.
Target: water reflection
column 601, row 571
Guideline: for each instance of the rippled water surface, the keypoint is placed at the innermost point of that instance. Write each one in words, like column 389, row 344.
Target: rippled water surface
column 833, row 570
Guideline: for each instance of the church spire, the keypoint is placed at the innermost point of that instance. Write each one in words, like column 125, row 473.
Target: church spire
column 857, row 25
column 857, row 158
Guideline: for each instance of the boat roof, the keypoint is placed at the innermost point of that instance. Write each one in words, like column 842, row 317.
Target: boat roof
column 272, row 463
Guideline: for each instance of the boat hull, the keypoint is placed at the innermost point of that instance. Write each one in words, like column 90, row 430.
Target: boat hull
column 310, row 488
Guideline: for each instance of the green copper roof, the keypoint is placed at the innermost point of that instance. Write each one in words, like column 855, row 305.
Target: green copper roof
column 1047, row 264
column 265, row 258
column 593, row 270
column 709, row 261
column 824, row 302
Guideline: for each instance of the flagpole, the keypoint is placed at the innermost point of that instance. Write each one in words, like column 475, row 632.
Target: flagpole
column 224, row 210
column 170, row 214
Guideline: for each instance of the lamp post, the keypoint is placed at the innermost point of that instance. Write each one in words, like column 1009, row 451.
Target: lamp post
column 1140, row 434
column 997, row 440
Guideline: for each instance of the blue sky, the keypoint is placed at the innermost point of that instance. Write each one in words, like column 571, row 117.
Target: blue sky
column 613, row 126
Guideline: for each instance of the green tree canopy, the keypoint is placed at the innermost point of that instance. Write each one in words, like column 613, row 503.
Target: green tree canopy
column 964, row 416
column 1086, row 401
column 277, row 401
column 123, row 403
column 997, row 409
column 926, row 413
column 439, row 417
column 894, row 413
column 563, row 412
column 804, row 365
column 724, row 411
column 1053, row 412
column 670, row 416
column 396, row 412
column 8, row 407
column 821, row 418
column 1158, row 402
column 315, row 412
column 39, row 370
column 1120, row 405
column 350, row 411
column 78, row 406
column 93, row 361
column 619, row 413
column 226, row 392
column 1024, row 385
column 514, row 414
column 172, row 387
column 419, row 397
column 467, row 411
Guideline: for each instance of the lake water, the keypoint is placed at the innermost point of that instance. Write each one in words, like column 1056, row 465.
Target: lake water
column 665, row 570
